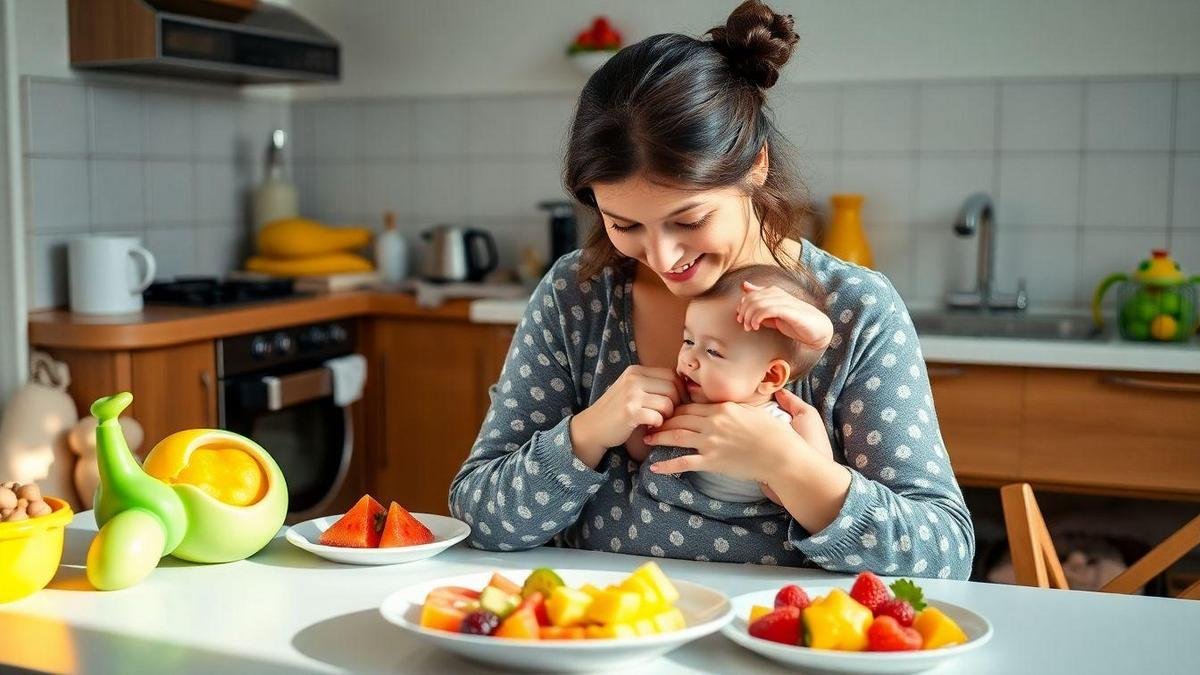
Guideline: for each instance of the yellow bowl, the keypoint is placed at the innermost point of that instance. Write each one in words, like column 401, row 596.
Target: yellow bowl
column 30, row 551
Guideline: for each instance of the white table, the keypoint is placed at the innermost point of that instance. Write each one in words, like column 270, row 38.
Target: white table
column 286, row 611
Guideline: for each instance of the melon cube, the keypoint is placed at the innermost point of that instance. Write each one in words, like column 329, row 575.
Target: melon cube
column 614, row 607
column 567, row 606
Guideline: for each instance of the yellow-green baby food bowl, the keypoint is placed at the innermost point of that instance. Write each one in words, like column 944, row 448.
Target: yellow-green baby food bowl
column 30, row 550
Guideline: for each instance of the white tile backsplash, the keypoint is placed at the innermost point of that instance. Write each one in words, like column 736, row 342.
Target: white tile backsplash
column 1185, row 207
column 492, row 125
column 118, row 116
column 886, row 182
column 493, row 189
column 958, row 117
column 441, row 128
column 217, row 195
column 336, row 128
column 1187, row 115
column 1041, row 115
column 809, row 117
column 879, row 118
column 387, row 130
column 56, row 118
column 1044, row 258
column 1039, row 189
column 58, row 195
column 175, row 250
column 117, row 193
column 170, row 193
column 1106, row 252
column 387, row 187
column 438, row 190
column 544, row 124
column 944, row 182
column 168, row 124
column 1129, row 115
column 214, row 127
column 47, row 269
column 1126, row 190
column 339, row 190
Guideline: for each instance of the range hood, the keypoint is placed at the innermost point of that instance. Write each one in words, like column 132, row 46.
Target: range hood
column 236, row 41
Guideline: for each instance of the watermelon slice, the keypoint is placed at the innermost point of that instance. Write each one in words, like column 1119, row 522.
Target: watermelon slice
column 401, row 529
column 360, row 527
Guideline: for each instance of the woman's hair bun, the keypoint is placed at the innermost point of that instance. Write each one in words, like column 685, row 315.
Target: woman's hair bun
column 756, row 41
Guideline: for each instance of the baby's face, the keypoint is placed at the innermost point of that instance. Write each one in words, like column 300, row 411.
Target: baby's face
column 718, row 360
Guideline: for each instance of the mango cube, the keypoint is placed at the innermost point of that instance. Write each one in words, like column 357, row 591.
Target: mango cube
column 652, row 573
column 590, row 589
column 837, row 621
column 614, row 630
column 645, row 627
column 758, row 611
column 567, row 606
column 670, row 620
column 652, row 602
column 937, row 629
column 614, row 607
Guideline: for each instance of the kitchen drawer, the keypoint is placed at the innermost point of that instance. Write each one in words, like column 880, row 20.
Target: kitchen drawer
column 980, row 414
column 1130, row 431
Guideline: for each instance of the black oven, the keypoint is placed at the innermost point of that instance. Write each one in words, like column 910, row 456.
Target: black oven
column 275, row 389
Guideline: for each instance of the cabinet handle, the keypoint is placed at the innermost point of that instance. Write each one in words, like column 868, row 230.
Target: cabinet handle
column 1152, row 385
column 207, row 383
column 945, row 371
column 381, row 416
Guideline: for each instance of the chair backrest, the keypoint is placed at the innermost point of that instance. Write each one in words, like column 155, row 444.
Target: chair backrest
column 1035, row 562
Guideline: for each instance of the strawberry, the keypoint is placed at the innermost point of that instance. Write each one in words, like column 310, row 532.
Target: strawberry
column 887, row 635
column 869, row 590
column 792, row 596
column 782, row 625
column 898, row 609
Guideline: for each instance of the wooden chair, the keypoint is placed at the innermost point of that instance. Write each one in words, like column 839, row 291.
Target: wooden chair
column 1035, row 562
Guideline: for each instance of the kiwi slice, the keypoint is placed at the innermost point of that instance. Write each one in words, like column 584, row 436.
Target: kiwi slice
column 543, row 580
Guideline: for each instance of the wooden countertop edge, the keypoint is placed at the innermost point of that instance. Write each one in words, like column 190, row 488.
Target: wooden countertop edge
column 165, row 326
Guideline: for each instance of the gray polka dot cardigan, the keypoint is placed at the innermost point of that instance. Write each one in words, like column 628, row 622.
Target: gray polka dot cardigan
column 523, row 487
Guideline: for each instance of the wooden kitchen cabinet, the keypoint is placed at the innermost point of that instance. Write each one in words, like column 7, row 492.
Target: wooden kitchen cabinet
column 979, row 412
column 427, row 397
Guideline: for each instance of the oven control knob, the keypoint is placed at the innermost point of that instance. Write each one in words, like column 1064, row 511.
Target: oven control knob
column 315, row 337
column 260, row 348
column 337, row 334
column 284, row 343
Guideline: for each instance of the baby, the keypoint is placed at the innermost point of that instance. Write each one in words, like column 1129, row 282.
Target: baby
column 720, row 361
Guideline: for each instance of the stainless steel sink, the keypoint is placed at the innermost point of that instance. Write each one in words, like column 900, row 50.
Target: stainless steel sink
column 974, row 323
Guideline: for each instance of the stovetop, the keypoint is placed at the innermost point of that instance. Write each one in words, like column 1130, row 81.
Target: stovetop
column 214, row 292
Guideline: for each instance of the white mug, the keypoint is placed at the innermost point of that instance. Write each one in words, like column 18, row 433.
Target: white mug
column 105, row 277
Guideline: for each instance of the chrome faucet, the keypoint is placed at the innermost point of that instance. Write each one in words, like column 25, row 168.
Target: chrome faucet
column 976, row 216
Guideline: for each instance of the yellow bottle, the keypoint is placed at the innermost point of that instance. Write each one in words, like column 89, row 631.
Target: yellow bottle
column 845, row 237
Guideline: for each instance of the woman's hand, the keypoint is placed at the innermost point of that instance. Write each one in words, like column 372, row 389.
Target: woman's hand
column 806, row 421
column 641, row 397
column 773, row 307
column 736, row 440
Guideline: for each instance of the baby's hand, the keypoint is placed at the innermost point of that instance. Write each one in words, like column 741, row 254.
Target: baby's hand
column 771, row 307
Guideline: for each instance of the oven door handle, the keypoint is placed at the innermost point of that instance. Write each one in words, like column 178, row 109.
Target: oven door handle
column 286, row 391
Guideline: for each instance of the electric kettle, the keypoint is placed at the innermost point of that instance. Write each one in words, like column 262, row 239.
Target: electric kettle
column 453, row 253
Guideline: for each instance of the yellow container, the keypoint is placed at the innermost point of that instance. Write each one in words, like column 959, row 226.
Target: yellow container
column 845, row 237
column 30, row 551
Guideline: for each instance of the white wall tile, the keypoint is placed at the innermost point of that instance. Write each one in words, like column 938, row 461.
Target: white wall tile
column 892, row 248
column 1185, row 248
column 387, row 128
column 1132, row 115
column 57, row 118
column 492, row 125
column 175, row 251
column 1045, row 258
column 116, row 193
column 1113, row 251
column 943, row 262
column 808, row 116
column 1187, row 115
column 1125, row 190
column 47, row 270
column 545, row 124
column 439, row 190
column 335, row 131
column 822, row 174
column 170, row 193
column 218, row 198
column 118, row 121
column 1041, row 115
column 1039, row 189
column 494, row 189
column 387, row 187
column 441, row 128
column 301, row 137
column 305, row 175
column 219, row 249
column 339, row 191
column 540, row 181
column 168, row 124
column 879, row 117
column 943, row 183
column 58, row 195
column 1185, row 211
column 958, row 117
column 214, row 127
column 887, row 184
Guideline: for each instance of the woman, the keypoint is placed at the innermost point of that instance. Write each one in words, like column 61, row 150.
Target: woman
column 672, row 149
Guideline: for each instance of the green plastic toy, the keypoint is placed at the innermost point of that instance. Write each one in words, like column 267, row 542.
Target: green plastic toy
column 202, row 495
column 1156, row 302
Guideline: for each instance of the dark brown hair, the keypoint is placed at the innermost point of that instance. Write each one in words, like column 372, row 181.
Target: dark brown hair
column 689, row 114
column 801, row 358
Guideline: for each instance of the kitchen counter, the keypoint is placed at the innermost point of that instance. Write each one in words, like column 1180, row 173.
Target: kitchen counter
column 1108, row 354
column 285, row 611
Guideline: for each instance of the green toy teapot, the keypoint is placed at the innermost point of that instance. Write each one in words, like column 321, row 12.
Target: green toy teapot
column 1158, row 302
column 202, row 495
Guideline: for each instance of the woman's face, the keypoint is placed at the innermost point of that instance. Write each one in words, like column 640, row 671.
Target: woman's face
column 687, row 238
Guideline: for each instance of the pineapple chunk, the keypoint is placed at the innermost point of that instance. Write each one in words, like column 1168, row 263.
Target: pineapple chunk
column 567, row 606
column 614, row 607
column 671, row 619
column 652, row 602
column 615, row 630
column 652, row 573
column 590, row 589
column 645, row 627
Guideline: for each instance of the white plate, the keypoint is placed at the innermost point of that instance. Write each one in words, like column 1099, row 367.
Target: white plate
column 704, row 610
column 446, row 533
column 977, row 628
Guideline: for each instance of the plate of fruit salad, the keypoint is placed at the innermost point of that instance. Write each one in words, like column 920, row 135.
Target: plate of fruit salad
column 872, row 628
column 561, row 620
column 369, row 534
